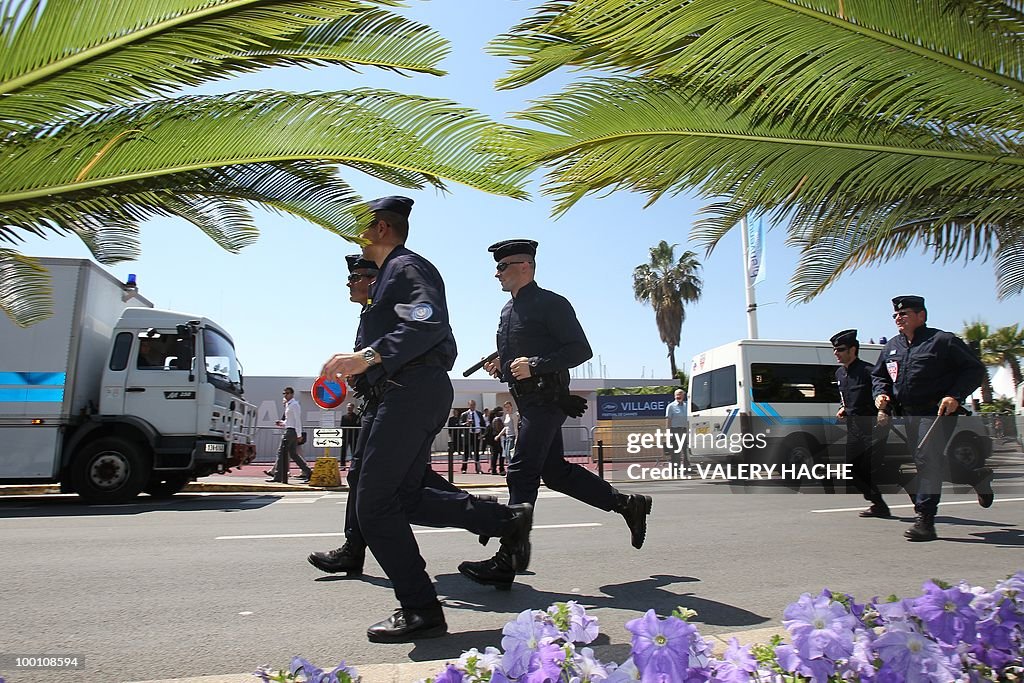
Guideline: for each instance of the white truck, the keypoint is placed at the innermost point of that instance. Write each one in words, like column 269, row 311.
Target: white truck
column 111, row 397
column 776, row 401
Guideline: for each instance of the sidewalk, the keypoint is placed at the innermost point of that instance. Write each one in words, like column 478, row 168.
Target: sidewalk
column 413, row 671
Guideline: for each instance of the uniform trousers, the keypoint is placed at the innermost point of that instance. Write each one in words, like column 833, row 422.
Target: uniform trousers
column 431, row 479
column 539, row 454
column 929, row 459
column 864, row 456
column 399, row 431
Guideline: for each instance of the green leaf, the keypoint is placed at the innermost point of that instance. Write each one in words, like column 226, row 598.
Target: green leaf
column 25, row 292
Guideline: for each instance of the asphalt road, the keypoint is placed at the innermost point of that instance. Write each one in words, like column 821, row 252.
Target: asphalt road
column 218, row 583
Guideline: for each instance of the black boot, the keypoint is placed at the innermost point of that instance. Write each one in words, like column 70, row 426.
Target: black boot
column 983, row 488
column 408, row 624
column 497, row 571
column 513, row 555
column 923, row 529
column 349, row 558
column 635, row 508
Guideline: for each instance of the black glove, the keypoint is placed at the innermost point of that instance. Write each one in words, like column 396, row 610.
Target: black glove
column 573, row 406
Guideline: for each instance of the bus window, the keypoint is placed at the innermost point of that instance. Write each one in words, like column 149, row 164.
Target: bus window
column 713, row 389
column 793, row 383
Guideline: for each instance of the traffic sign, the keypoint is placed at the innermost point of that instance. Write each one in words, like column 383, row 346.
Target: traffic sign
column 321, row 433
column 328, row 393
column 327, row 442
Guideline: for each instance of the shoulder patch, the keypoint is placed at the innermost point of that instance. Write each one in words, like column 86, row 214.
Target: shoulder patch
column 416, row 312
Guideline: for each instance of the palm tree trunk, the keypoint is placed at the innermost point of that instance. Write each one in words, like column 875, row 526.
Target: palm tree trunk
column 1014, row 364
column 986, row 388
column 672, row 359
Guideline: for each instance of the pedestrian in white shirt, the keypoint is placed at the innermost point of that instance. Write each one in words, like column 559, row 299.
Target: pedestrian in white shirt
column 677, row 421
column 292, row 423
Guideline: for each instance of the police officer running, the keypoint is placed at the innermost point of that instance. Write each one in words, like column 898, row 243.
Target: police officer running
column 351, row 556
column 409, row 350
column 858, row 411
column 925, row 374
column 538, row 340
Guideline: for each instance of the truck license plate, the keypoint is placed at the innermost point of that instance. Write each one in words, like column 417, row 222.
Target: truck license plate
column 214, row 448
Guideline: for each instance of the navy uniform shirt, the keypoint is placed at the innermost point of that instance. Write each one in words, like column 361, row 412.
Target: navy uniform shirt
column 541, row 326
column 406, row 318
column 920, row 374
column 855, row 387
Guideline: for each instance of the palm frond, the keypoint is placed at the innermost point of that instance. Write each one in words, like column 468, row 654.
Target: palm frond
column 25, row 292
column 60, row 58
column 423, row 139
column 790, row 59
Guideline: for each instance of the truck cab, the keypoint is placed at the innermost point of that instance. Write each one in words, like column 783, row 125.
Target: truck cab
column 170, row 409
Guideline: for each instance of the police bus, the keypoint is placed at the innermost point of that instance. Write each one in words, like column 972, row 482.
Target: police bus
column 775, row 401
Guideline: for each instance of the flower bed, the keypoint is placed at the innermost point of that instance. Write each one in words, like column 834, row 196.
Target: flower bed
column 949, row 633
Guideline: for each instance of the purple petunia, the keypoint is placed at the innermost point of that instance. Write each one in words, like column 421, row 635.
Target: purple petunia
column 588, row 667
column 661, row 647
column 522, row 638
column 910, row 656
column 546, row 664
column 818, row 670
column 947, row 613
column 736, row 664
column 451, row 674
column 820, row 627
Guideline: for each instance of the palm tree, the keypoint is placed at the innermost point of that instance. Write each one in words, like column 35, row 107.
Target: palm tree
column 1006, row 345
column 872, row 128
column 668, row 285
column 976, row 334
column 92, row 144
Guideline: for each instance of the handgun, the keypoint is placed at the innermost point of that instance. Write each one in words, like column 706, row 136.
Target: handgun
column 476, row 366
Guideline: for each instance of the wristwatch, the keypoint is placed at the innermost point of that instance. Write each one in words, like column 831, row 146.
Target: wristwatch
column 370, row 356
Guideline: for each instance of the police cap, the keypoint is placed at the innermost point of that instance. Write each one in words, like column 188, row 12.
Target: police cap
column 357, row 262
column 911, row 301
column 844, row 338
column 510, row 247
column 395, row 204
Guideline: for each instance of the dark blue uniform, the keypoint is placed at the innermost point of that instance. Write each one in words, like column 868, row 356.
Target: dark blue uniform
column 856, row 392
column 917, row 376
column 406, row 322
column 542, row 326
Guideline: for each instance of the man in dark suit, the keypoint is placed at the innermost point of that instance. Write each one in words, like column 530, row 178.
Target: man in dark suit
column 473, row 421
column 349, row 433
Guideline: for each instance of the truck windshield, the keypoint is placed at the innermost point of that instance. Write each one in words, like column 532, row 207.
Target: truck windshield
column 221, row 365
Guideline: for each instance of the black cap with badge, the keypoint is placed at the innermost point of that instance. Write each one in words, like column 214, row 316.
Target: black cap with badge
column 357, row 262
column 395, row 204
column 845, row 338
column 909, row 301
column 512, row 247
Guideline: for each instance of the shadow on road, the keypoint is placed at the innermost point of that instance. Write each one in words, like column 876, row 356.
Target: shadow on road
column 72, row 506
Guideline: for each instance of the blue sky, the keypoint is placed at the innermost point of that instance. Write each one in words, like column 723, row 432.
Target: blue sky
column 283, row 299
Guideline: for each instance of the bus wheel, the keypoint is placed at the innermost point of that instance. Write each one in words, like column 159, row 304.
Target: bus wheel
column 794, row 454
column 110, row 470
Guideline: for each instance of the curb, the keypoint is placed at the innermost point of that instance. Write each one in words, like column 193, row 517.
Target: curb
column 414, row 671
column 209, row 487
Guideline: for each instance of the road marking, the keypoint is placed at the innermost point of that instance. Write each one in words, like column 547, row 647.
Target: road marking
column 416, row 531
column 910, row 505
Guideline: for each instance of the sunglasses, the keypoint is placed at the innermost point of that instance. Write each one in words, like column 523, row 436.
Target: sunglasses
column 502, row 266
column 903, row 314
column 841, row 349
column 356, row 277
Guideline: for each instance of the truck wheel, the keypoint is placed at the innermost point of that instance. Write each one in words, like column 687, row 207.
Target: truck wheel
column 965, row 454
column 110, row 470
column 165, row 485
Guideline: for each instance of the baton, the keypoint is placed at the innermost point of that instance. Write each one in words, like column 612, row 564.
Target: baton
column 920, row 444
column 476, row 366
